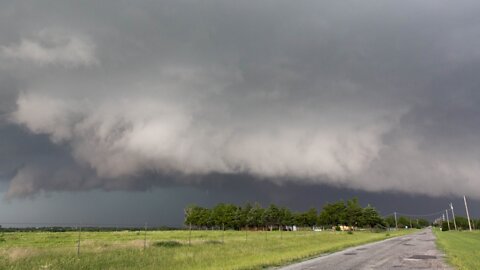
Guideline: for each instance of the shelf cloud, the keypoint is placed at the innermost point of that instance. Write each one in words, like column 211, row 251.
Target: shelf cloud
column 355, row 94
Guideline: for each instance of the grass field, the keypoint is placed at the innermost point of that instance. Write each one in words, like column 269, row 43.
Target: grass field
column 462, row 248
column 171, row 249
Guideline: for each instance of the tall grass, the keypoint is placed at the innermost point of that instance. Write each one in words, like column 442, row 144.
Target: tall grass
column 462, row 248
column 171, row 249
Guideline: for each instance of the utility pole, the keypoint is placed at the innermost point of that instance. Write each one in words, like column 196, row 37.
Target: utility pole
column 396, row 224
column 453, row 216
column 468, row 215
column 448, row 221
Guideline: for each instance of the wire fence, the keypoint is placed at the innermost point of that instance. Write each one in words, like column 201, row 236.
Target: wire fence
column 84, row 238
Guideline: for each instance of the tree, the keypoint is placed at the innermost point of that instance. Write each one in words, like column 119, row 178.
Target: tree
column 333, row 214
column 286, row 217
column 390, row 221
column 255, row 216
column 353, row 212
column 243, row 215
column 192, row 215
column 271, row 216
column 422, row 223
column 371, row 217
column 403, row 222
column 462, row 223
column 445, row 226
column 224, row 215
column 311, row 217
column 300, row 219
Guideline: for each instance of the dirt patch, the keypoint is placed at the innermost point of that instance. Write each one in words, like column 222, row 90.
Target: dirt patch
column 14, row 254
column 99, row 246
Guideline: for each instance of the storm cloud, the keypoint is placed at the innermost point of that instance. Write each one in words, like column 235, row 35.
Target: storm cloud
column 371, row 95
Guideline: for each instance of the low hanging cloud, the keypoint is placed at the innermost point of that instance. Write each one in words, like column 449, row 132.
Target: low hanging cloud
column 308, row 93
column 50, row 47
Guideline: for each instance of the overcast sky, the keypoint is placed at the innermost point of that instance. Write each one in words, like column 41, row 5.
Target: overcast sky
column 182, row 102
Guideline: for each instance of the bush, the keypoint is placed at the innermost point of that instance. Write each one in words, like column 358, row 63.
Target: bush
column 444, row 226
column 337, row 228
column 167, row 244
column 213, row 242
column 350, row 232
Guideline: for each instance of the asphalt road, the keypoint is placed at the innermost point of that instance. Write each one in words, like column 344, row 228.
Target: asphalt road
column 415, row 251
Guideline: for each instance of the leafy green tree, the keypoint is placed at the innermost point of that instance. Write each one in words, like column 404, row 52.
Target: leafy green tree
column 422, row 223
column 445, row 226
column 403, row 222
column 231, row 216
column 390, row 221
column 193, row 215
column 462, row 222
column 271, row 216
column 300, row 219
column 255, row 216
column 190, row 215
column 286, row 217
column 371, row 217
column 353, row 212
column 311, row 217
column 333, row 214
column 198, row 216
column 242, row 215
column 223, row 215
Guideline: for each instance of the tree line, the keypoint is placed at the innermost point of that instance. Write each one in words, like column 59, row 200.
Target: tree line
column 341, row 213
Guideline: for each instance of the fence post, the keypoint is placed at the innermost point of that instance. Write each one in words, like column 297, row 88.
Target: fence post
column 246, row 231
column 281, row 233
column 190, row 235
column 78, row 243
column 145, row 238
column 223, row 232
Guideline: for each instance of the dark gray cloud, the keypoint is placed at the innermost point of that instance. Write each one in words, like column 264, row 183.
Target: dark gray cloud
column 379, row 95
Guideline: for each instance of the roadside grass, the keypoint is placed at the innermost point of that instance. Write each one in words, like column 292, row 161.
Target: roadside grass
column 462, row 248
column 171, row 249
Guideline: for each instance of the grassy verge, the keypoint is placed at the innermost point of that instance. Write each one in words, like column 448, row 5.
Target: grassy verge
column 171, row 249
column 462, row 248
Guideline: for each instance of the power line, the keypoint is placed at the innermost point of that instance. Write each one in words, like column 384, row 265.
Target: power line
column 415, row 215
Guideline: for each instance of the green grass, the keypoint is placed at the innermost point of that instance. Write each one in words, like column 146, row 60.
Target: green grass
column 462, row 248
column 171, row 249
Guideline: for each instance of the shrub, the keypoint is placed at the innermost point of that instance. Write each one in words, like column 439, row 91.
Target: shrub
column 167, row 244
column 213, row 242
